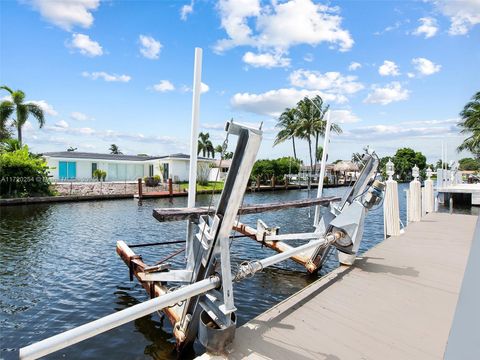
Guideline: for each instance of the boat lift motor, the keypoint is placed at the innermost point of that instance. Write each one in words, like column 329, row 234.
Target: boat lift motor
column 349, row 214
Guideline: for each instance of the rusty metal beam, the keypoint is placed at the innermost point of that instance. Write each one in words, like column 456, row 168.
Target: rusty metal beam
column 136, row 265
column 278, row 246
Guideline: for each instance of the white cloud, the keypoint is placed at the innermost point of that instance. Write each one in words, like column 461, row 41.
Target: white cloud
column 164, row 86
column 385, row 95
column 280, row 25
column 463, row 14
column 61, row 124
column 149, row 47
column 406, row 129
column 78, row 116
column 204, row 88
column 267, row 60
column 107, row 77
column 411, row 75
column 85, row 45
column 428, row 27
column 331, row 82
column 354, row 66
column 425, row 66
column 309, row 57
column 67, row 14
column 186, row 10
column 389, row 28
column 344, row 117
column 46, row 107
column 273, row 102
column 388, row 68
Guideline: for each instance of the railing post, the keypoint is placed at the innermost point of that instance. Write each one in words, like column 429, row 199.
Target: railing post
column 170, row 187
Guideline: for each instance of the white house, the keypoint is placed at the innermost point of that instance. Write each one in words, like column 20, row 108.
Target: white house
column 79, row 166
column 219, row 170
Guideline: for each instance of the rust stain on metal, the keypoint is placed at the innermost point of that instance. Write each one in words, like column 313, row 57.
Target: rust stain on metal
column 134, row 262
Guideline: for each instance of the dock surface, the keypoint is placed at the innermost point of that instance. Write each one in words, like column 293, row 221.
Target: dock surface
column 397, row 302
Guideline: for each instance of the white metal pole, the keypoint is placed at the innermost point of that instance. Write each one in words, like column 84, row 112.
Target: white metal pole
column 111, row 321
column 323, row 165
column 443, row 151
column 197, row 88
column 192, row 177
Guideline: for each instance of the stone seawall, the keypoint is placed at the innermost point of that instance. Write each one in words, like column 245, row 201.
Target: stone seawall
column 105, row 188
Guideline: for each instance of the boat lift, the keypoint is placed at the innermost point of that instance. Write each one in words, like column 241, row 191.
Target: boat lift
column 203, row 306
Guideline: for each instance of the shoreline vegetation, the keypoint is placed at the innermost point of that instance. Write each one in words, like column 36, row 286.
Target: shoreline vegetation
column 25, row 175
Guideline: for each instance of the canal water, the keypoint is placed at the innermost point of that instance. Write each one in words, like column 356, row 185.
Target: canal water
column 59, row 269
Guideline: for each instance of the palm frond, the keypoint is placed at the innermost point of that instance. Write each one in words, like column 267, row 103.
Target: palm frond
column 4, row 87
column 37, row 112
column 6, row 110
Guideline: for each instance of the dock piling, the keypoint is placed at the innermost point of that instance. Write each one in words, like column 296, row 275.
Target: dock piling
column 140, row 189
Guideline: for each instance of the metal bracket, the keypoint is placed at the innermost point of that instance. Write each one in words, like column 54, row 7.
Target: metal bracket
column 173, row 275
column 131, row 264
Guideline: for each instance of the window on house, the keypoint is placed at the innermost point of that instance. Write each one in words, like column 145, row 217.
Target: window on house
column 94, row 167
column 150, row 170
column 67, row 170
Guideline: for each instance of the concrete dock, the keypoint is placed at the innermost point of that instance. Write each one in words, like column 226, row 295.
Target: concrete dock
column 397, row 302
column 472, row 190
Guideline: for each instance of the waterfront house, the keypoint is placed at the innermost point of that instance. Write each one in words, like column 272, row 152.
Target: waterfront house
column 219, row 170
column 80, row 166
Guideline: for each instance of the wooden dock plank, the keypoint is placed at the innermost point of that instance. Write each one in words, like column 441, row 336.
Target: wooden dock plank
column 396, row 302
column 177, row 214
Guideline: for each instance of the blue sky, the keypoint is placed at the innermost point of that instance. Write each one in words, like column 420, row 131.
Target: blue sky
column 395, row 73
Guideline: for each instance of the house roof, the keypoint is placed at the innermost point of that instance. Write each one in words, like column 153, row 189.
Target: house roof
column 182, row 156
column 225, row 163
column 345, row 166
column 88, row 155
column 318, row 166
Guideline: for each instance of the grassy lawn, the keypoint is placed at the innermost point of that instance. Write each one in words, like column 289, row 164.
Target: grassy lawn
column 217, row 185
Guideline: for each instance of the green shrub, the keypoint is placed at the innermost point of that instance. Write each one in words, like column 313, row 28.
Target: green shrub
column 23, row 174
column 98, row 174
column 265, row 169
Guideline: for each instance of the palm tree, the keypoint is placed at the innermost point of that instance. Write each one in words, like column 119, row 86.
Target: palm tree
column 470, row 124
column 205, row 145
column 311, row 123
column 288, row 123
column 319, row 153
column 320, row 124
column 219, row 150
column 114, row 149
column 305, row 126
column 21, row 109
